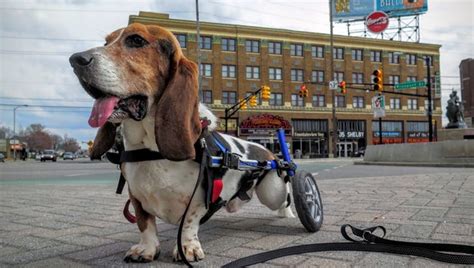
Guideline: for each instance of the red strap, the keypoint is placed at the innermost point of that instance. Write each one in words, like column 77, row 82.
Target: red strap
column 216, row 189
column 126, row 212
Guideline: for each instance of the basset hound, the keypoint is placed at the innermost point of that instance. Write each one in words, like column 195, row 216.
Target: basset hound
column 141, row 81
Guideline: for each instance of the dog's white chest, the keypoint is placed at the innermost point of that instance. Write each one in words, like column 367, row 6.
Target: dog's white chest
column 163, row 187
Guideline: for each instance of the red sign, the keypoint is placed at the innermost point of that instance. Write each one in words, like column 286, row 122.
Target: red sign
column 377, row 21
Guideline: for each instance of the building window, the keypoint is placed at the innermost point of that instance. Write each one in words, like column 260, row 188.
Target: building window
column 228, row 44
column 252, row 72
column 205, row 43
column 229, row 97
column 340, row 101
column 317, row 51
column 411, row 78
column 252, row 46
column 317, row 76
column 296, row 75
column 411, row 59
column 296, row 100
column 181, row 39
column 358, row 102
column 358, row 78
column 357, row 54
column 431, row 60
column 274, row 73
column 432, row 105
column 276, row 99
column 394, row 79
column 319, row 101
column 296, row 50
column 393, row 58
column 395, row 103
column 228, row 71
column 412, row 104
column 338, row 76
column 206, row 96
column 259, row 98
column 274, row 48
column 376, row 56
column 206, row 69
column 338, row 53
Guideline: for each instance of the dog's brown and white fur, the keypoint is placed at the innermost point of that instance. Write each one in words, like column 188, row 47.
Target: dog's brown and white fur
column 147, row 60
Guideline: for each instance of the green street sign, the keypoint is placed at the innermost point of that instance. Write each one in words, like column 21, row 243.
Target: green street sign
column 410, row 84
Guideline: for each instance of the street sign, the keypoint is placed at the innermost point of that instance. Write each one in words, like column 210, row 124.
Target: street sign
column 333, row 85
column 378, row 106
column 410, row 84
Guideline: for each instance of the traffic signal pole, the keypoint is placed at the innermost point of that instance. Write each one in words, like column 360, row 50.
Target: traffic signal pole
column 430, row 109
column 333, row 94
column 228, row 112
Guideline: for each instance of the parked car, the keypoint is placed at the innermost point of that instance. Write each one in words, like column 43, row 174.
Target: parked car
column 2, row 158
column 360, row 152
column 48, row 155
column 69, row 156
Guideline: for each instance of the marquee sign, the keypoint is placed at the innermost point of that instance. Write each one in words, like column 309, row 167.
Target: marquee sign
column 264, row 124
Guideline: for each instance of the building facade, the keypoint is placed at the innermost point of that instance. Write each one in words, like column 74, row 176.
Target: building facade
column 236, row 60
column 466, row 71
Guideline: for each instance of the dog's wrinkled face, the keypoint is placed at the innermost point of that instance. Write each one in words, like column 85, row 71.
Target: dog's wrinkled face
column 126, row 74
column 142, row 69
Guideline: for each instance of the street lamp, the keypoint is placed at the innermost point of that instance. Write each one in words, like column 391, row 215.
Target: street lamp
column 14, row 125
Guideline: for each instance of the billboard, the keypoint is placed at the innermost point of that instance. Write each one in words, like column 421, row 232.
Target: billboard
column 346, row 10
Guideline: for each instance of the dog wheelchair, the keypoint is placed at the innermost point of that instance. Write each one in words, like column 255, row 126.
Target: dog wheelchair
column 306, row 195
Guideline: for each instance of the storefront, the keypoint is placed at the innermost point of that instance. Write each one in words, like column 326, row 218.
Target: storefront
column 310, row 138
column 351, row 137
column 392, row 132
column 262, row 129
column 418, row 132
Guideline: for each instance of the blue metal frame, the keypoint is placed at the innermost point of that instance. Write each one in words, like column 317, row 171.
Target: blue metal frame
column 248, row 164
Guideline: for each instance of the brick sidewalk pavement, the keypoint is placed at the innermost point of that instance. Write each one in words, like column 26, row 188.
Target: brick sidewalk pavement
column 76, row 226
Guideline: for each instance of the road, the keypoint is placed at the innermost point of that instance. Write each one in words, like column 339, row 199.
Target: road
column 84, row 171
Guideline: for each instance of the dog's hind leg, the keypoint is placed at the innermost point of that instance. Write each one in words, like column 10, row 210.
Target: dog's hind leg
column 148, row 248
column 272, row 191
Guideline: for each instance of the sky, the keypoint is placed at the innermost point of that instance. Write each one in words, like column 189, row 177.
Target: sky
column 38, row 36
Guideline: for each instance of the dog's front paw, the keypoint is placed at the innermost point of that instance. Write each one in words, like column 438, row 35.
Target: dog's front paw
column 142, row 253
column 192, row 250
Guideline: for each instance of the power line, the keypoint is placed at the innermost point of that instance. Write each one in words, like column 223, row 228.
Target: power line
column 52, row 39
column 46, row 106
column 47, row 99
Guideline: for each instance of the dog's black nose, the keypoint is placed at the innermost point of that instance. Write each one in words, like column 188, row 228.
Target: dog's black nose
column 81, row 59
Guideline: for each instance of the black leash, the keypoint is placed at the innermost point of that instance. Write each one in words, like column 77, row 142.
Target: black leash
column 370, row 242
column 202, row 166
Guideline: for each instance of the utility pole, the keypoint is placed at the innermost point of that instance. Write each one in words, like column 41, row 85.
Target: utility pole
column 333, row 94
column 14, row 128
column 430, row 108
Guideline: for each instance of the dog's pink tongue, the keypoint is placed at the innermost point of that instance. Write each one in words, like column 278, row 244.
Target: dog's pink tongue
column 101, row 111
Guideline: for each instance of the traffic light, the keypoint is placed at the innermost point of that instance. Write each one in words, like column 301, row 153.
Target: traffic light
column 265, row 93
column 253, row 101
column 243, row 104
column 303, row 91
column 342, row 86
column 378, row 80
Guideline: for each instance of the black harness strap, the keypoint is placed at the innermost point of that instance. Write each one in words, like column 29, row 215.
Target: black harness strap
column 372, row 243
column 131, row 156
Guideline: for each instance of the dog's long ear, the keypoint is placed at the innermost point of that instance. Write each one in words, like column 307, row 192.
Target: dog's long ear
column 177, row 125
column 104, row 140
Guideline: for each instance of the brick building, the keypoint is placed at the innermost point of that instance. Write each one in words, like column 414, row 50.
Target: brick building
column 466, row 70
column 239, row 59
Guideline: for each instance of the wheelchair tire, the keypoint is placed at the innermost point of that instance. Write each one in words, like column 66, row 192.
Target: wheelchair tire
column 308, row 203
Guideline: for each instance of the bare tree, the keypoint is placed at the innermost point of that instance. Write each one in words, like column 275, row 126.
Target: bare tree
column 37, row 138
column 70, row 144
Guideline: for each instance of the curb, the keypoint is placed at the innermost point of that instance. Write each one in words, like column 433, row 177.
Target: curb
column 416, row 164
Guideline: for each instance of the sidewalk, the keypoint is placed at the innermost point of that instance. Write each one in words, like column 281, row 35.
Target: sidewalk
column 79, row 226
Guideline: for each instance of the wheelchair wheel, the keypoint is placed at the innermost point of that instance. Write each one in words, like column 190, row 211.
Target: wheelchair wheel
column 308, row 203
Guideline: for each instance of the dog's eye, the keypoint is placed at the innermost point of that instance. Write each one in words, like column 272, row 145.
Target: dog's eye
column 135, row 41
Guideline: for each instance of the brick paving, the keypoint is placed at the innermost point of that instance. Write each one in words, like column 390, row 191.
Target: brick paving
column 81, row 226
